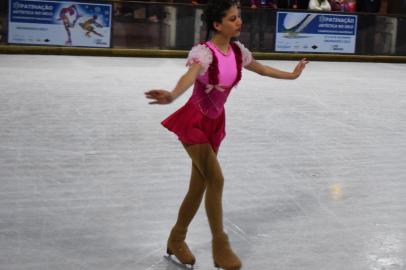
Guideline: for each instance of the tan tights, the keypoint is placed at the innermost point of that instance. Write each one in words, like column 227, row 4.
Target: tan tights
column 206, row 176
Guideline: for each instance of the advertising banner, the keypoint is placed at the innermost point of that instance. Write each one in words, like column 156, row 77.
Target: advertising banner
column 315, row 32
column 59, row 23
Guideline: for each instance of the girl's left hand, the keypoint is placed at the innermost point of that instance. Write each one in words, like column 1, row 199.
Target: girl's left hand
column 299, row 68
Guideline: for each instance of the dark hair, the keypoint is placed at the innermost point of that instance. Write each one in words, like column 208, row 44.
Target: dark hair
column 215, row 11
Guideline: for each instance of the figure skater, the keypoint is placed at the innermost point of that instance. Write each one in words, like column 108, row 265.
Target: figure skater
column 88, row 26
column 214, row 69
column 64, row 16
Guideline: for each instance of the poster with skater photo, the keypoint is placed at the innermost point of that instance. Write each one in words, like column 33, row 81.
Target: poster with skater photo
column 315, row 32
column 59, row 23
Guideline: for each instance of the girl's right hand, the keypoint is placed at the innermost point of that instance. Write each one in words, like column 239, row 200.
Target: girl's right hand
column 159, row 96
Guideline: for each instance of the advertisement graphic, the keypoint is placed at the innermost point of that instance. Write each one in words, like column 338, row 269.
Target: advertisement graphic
column 59, row 23
column 315, row 32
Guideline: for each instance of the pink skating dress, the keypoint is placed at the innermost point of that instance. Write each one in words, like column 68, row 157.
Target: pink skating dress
column 202, row 119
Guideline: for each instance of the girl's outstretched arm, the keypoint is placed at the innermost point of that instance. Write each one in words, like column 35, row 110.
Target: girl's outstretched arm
column 265, row 70
column 160, row 96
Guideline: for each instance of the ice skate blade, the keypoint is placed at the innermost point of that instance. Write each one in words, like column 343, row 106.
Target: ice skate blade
column 219, row 268
column 178, row 264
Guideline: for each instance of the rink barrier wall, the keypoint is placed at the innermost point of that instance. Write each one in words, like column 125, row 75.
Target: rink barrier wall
column 157, row 53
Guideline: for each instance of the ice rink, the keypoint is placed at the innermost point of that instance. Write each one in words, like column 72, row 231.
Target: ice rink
column 315, row 169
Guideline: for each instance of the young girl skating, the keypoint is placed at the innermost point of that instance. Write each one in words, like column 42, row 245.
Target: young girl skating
column 214, row 69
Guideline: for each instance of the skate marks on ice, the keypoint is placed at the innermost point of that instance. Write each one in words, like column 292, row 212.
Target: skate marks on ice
column 326, row 187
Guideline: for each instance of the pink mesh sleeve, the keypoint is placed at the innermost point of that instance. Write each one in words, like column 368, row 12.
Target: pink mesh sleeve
column 202, row 55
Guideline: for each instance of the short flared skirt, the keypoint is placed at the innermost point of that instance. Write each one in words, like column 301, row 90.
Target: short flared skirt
column 193, row 127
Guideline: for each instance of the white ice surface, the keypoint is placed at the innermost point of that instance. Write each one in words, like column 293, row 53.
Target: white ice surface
column 315, row 169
